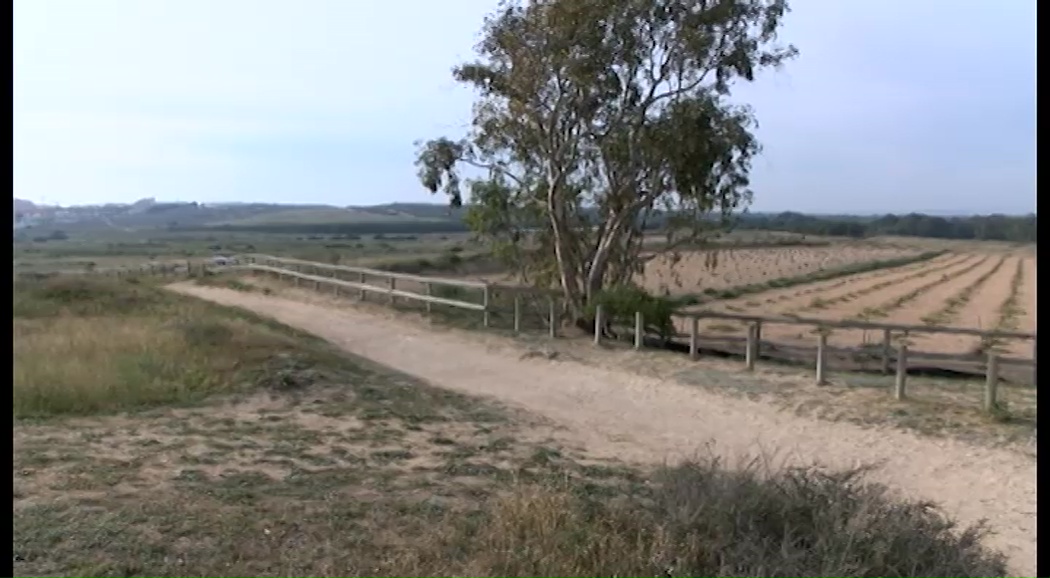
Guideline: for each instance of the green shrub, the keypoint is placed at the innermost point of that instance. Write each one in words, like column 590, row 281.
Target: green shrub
column 620, row 303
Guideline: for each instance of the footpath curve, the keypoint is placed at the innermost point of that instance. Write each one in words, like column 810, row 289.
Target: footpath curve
column 645, row 420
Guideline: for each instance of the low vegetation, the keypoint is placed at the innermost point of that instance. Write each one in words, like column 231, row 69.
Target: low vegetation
column 245, row 448
column 620, row 304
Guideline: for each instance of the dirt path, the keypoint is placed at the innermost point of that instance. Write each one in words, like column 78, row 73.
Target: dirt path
column 647, row 420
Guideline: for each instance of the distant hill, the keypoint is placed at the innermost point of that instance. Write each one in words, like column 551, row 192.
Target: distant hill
column 24, row 206
column 332, row 215
column 419, row 218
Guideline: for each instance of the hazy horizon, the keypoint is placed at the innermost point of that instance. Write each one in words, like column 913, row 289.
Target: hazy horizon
column 892, row 107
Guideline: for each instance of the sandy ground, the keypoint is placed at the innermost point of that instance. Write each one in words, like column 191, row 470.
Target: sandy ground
column 646, row 420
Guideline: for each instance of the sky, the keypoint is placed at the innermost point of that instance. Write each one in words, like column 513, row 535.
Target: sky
column 892, row 106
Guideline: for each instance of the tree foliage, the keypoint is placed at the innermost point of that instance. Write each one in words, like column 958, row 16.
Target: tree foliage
column 593, row 116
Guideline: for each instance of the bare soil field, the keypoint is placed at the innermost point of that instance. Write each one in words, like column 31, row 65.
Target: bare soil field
column 643, row 417
column 697, row 271
column 977, row 290
column 724, row 269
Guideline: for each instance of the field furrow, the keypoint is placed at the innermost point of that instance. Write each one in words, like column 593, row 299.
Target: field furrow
column 699, row 271
column 862, row 287
column 866, row 301
column 929, row 298
column 975, row 306
column 1025, row 311
column 878, row 306
column 886, row 308
column 793, row 299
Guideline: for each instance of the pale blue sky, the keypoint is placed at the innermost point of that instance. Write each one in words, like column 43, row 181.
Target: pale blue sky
column 893, row 105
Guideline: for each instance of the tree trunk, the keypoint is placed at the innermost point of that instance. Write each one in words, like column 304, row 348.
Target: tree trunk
column 574, row 304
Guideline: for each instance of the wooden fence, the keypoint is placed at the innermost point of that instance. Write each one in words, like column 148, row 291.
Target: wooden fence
column 487, row 299
column 481, row 298
column 823, row 327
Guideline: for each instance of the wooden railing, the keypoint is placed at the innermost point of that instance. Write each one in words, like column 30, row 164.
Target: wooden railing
column 419, row 288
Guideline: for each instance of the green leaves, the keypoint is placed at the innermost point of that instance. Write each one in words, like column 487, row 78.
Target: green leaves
column 614, row 109
column 437, row 162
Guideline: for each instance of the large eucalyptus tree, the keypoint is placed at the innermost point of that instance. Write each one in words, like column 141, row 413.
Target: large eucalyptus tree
column 595, row 117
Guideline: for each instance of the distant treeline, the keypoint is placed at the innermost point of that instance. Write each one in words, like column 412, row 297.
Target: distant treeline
column 1020, row 229
column 421, row 227
column 989, row 228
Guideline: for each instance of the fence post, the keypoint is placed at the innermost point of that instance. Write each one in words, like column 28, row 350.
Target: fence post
column 694, row 334
column 752, row 345
column 189, row 268
column 361, row 280
column 552, row 318
column 485, row 306
column 598, row 325
column 902, row 372
column 430, row 293
column 886, row 350
column 639, row 329
column 517, row 312
column 1035, row 362
column 758, row 339
column 822, row 346
column 991, row 385
column 393, row 285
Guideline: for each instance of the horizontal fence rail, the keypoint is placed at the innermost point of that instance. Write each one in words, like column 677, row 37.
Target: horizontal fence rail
column 275, row 261
column 366, row 288
column 842, row 324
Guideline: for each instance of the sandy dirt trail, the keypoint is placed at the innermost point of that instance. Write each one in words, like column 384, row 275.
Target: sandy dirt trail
column 648, row 420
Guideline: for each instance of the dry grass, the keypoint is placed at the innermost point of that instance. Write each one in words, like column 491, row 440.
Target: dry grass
column 89, row 345
column 284, row 458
